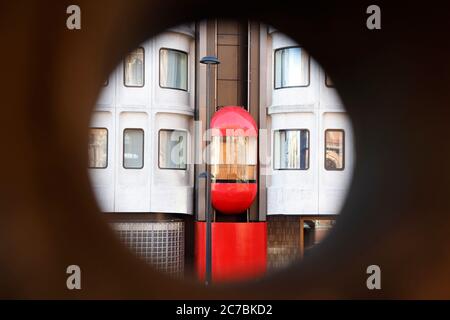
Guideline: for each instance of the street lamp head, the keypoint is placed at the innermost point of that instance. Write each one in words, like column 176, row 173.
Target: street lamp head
column 209, row 60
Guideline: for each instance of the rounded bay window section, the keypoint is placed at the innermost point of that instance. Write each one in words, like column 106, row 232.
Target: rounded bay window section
column 140, row 160
column 140, row 155
column 311, row 134
column 172, row 108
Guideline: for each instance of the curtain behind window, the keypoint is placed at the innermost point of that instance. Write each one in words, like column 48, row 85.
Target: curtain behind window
column 173, row 69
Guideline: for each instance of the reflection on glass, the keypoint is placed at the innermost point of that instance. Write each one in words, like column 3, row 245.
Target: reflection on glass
column 291, row 149
column 334, row 149
column 172, row 149
column 134, row 68
column 98, row 148
column 315, row 232
column 173, row 69
column 133, row 148
column 291, row 68
column 234, row 158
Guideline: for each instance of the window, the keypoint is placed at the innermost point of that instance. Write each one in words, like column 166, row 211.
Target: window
column 133, row 148
column 328, row 81
column 234, row 158
column 134, row 68
column 173, row 69
column 172, row 149
column 291, row 68
column 98, row 148
column 334, row 150
column 291, row 149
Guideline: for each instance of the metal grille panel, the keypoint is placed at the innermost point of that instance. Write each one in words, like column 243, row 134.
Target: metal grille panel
column 160, row 244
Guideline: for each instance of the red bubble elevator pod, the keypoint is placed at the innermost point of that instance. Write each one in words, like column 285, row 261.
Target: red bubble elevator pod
column 239, row 249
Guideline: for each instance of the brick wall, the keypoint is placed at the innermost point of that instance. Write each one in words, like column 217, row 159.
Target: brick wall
column 283, row 241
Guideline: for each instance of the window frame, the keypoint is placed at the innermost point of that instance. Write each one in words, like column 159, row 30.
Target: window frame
column 187, row 67
column 143, row 149
column 159, row 149
column 107, row 148
column 309, row 149
column 275, row 69
column 143, row 69
column 325, row 150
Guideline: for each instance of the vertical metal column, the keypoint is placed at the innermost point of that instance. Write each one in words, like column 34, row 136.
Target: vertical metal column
column 208, row 60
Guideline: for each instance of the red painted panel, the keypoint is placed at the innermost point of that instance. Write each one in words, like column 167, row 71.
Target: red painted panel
column 232, row 197
column 239, row 250
column 233, row 121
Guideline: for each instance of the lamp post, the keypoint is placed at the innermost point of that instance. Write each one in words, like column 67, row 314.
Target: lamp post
column 209, row 61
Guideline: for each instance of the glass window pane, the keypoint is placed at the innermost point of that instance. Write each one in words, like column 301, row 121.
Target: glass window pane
column 234, row 158
column 291, row 149
column 134, row 68
column 173, row 67
column 291, row 68
column 172, row 149
column 98, row 148
column 133, row 148
column 334, row 149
